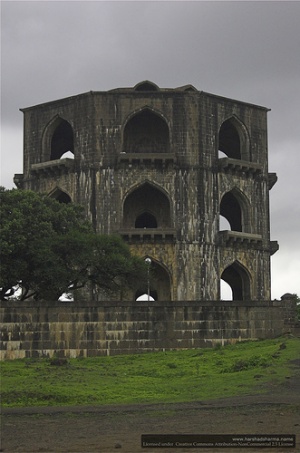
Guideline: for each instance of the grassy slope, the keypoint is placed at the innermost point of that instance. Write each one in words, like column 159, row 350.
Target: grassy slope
column 173, row 376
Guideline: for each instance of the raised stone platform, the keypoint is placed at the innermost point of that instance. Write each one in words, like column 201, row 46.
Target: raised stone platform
column 76, row 329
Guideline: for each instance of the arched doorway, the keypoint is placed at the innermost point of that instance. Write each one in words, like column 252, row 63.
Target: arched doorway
column 230, row 209
column 146, row 132
column 58, row 140
column 235, row 208
column 60, row 196
column 159, row 284
column 62, row 140
column 146, row 220
column 233, row 140
column 147, row 207
column 238, row 278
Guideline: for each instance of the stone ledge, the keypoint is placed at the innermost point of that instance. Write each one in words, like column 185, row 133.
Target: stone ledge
column 53, row 166
column 19, row 308
column 229, row 237
column 237, row 165
column 146, row 158
column 148, row 234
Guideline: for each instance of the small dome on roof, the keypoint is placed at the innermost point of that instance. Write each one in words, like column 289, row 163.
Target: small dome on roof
column 146, row 85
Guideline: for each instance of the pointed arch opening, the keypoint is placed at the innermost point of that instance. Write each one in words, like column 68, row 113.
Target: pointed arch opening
column 233, row 140
column 159, row 284
column 146, row 220
column 60, row 196
column 238, row 279
column 235, row 208
column 58, row 140
column 146, row 207
column 146, row 132
column 62, row 140
column 230, row 209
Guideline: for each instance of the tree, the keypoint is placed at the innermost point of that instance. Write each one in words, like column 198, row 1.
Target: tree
column 48, row 247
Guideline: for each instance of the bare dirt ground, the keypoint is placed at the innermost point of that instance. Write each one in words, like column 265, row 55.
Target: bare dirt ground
column 109, row 429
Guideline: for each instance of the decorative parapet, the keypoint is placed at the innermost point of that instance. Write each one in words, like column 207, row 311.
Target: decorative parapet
column 57, row 166
column 236, row 166
column 148, row 234
column 230, row 237
column 146, row 158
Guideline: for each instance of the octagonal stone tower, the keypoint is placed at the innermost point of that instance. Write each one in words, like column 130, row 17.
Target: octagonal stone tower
column 162, row 167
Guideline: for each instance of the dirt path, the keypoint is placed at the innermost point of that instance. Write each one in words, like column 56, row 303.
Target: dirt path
column 108, row 429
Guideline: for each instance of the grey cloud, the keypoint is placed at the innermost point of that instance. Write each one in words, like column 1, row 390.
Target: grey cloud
column 243, row 50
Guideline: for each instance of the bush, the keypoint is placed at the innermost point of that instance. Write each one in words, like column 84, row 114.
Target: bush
column 59, row 361
column 246, row 364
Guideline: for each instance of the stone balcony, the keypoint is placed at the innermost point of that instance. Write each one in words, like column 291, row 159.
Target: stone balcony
column 57, row 166
column 228, row 237
column 237, row 166
column 151, row 159
column 148, row 234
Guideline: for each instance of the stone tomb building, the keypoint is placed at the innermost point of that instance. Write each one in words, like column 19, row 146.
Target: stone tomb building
column 162, row 167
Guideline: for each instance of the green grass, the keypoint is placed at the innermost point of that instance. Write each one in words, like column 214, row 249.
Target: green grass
column 173, row 376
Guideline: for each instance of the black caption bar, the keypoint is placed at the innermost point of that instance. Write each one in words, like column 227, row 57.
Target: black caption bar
column 218, row 440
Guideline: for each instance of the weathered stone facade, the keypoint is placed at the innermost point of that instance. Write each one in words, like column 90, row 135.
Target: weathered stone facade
column 147, row 164
column 79, row 329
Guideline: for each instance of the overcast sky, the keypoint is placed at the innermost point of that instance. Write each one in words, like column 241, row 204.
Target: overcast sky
column 248, row 51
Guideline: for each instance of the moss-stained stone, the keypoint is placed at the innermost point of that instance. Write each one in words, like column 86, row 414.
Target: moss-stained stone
column 132, row 327
column 154, row 154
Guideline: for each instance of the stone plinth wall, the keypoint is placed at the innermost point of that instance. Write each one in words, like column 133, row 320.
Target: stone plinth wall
column 73, row 329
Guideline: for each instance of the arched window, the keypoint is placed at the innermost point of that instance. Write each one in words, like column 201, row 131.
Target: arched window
column 146, row 220
column 190, row 88
column 146, row 132
column 58, row 140
column 146, row 207
column 233, row 140
column 238, row 278
column 60, row 196
column 159, row 284
column 235, row 208
column 62, row 140
column 231, row 210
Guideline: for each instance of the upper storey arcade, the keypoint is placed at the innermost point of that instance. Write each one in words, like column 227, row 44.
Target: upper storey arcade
column 146, row 125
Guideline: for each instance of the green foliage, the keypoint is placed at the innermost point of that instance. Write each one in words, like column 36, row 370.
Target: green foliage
column 251, row 362
column 113, row 267
column 172, row 376
column 298, row 305
column 48, row 247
